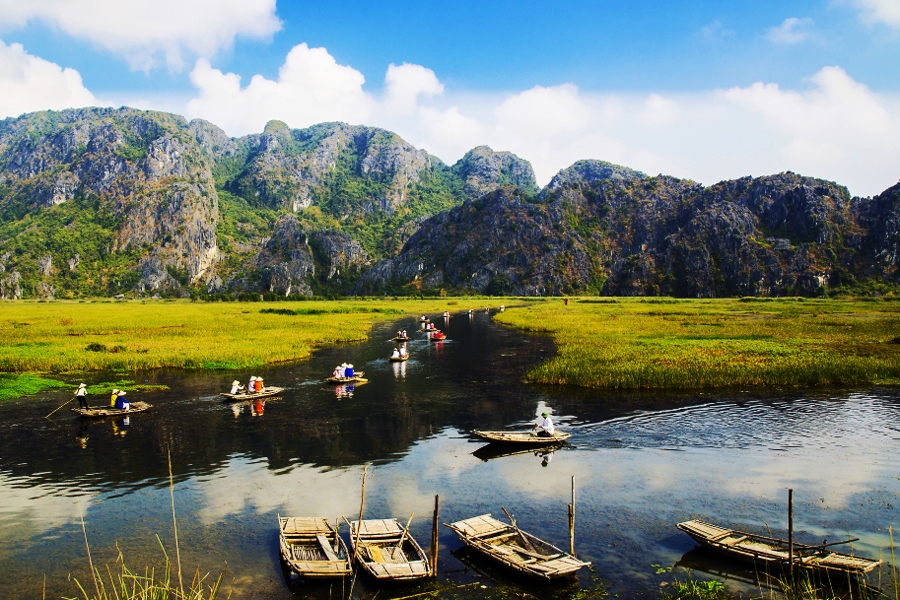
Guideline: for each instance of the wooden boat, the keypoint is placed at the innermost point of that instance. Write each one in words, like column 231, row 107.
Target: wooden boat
column 312, row 548
column 773, row 553
column 387, row 551
column 398, row 358
column 108, row 411
column 438, row 335
column 424, row 320
column 521, row 437
column 267, row 391
column 400, row 339
column 357, row 378
column 515, row 548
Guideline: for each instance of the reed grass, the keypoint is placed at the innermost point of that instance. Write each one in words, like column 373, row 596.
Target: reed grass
column 79, row 337
column 683, row 344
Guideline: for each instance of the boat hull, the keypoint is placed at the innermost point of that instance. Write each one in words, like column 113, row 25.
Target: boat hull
column 385, row 553
column 310, row 547
column 267, row 391
column 515, row 549
column 772, row 553
column 521, row 437
column 136, row 407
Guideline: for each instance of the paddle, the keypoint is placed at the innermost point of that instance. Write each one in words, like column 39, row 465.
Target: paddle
column 524, row 539
column 60, row 406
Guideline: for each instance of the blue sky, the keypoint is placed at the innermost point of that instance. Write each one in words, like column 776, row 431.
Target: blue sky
column 696, row 89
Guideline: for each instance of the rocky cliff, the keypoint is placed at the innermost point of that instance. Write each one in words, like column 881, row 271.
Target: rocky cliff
column 122, row 201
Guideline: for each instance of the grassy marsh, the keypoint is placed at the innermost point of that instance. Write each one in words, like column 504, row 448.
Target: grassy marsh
column 80, row 337
column 660, row 343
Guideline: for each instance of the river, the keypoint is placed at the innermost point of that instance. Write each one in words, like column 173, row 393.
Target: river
column 642, row 462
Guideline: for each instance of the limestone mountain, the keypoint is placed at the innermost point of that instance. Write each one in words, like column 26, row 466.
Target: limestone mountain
column 106, row 201
column 601, row 228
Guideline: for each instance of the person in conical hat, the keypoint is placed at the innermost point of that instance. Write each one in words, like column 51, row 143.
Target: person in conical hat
column 251, row 385
column 236, row 387
column 81, row 394
column 113, row 397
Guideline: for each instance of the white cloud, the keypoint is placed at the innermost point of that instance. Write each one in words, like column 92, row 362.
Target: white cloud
column 311, row 88
column 837, row 128
column 147, row 34
column 791, row 31
column 30, row 83
column 879, row 11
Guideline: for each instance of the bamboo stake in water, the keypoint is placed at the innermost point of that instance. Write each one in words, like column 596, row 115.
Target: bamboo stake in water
column 434, row 535
column 175, row 522
column 791, row 532
column 362, row 504
column 572, row 520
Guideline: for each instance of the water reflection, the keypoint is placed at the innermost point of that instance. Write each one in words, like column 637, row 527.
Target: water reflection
column 642, row 463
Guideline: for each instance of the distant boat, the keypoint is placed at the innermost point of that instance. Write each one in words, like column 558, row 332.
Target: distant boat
column 398, row 358
column 387, row 552
column 312, row 548
column 774, row 553
column 437, row 335
column 400, row 339
column 521, row 437
column 357, row 378
column 424, row 319
column 514, row 548
column 108, row 411
column 267, row 391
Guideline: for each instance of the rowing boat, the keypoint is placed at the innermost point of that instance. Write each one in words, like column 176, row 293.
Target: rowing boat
column 521, row 437
column 774, row 553
column 398, row 358
column 312, row 548
column 386, row 551
column 357, row 378
column 400, row 339
column 135, row 407
column 515, row 548
column 267, row 391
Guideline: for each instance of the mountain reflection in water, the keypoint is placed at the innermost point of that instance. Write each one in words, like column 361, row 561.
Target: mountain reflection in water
column 642, row 462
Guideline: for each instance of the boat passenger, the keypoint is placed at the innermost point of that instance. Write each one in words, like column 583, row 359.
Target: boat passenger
column 112, row 398
column 337, row 372
column 251, row 385
column 236, row 387
column 121, row 402
column 395, row 353
column 402, row 351
column 404, row 334
column 348, row 372
column 81, row 394
column 260, row 386
column 545, row 426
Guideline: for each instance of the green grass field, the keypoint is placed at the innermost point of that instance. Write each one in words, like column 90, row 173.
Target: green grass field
column 662, row 343
column 78, row 337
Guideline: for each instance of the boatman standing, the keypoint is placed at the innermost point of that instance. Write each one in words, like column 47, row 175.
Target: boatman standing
column 545, row 426
column 81, row 395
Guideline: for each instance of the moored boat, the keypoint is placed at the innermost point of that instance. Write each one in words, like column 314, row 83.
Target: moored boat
column 773, row 553
column 107, row 411
column 267, row 391
column 386, row 551
column 312, row 548
column 514, row 548
column 521, row 437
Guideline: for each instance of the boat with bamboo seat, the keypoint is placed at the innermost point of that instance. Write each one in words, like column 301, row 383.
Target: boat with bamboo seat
column 514, row 548
column 773, row 553
column 521, row 437
column 265, row 393
column 386, row 551
column 312, row 548
column 135, row 407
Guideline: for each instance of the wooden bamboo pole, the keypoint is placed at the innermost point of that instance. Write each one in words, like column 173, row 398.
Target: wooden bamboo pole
column 434, row 535
column 362, row 504
column 572, row 520
column 791, row 532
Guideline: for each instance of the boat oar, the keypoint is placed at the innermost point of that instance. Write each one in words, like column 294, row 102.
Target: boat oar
column 60, row 406
column 524, row 539
column 405, row 531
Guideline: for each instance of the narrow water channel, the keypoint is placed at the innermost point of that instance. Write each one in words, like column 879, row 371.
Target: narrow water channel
column 641, row 462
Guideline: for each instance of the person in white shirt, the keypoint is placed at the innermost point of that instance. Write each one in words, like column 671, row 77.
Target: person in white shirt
column 81, row 394
column 545, row 426
column 236, row 387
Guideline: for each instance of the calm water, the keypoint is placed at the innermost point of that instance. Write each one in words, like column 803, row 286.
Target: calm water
column 642, row 462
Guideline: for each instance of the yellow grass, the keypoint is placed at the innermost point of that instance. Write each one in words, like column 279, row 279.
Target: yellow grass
column 76, row 337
